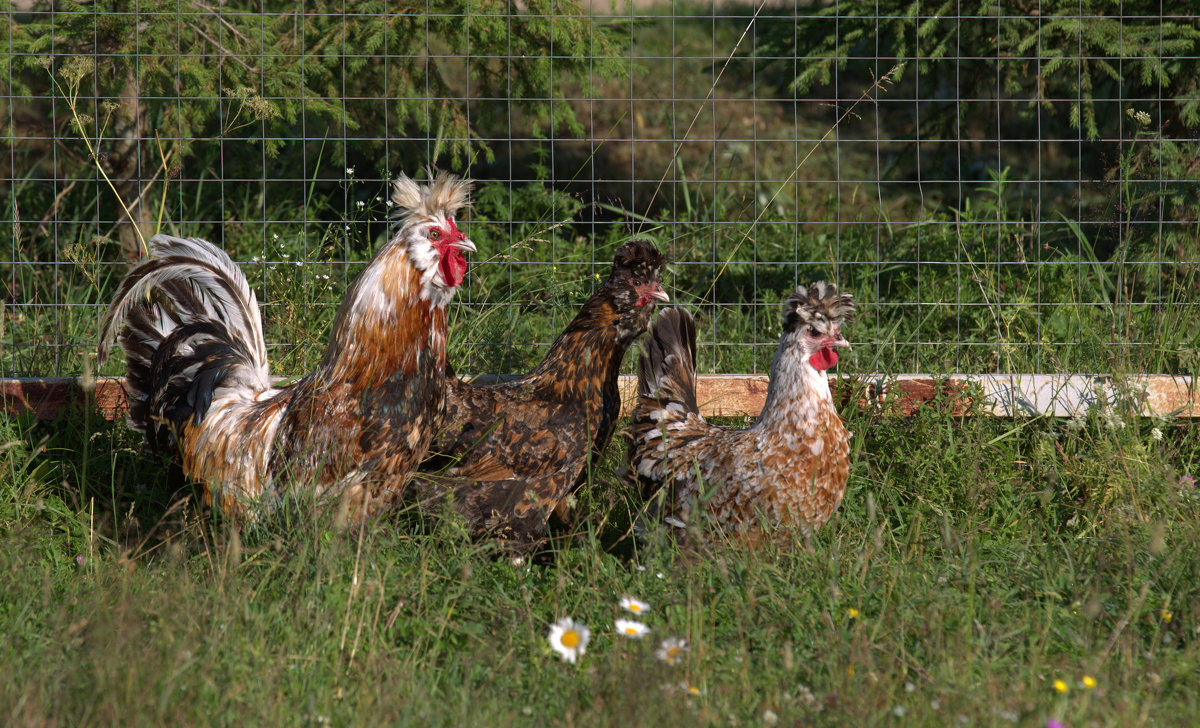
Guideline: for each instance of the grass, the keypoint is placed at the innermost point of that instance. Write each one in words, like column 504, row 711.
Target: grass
column 974, row 562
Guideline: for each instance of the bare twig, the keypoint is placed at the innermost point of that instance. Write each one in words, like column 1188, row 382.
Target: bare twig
column 224, row 51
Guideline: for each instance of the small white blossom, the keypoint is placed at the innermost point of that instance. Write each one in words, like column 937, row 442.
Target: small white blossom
column 630, row 628
column 1156, row 434
column 637, row 606
column 569, row 638
column 671, row 650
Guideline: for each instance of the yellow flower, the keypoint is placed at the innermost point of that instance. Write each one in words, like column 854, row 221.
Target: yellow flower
column 852, row 612
column 1165, row 614
column 569, row 638
column 1089, row 682
column 1060, row 686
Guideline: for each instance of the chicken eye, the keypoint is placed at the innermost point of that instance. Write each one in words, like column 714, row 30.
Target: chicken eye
column 435, row 234
column 635, row 282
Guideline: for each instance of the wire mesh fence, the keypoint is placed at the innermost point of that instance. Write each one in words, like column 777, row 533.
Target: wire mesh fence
column 1005, row 186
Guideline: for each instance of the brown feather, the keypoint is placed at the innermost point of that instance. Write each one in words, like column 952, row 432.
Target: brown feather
column 509, row 454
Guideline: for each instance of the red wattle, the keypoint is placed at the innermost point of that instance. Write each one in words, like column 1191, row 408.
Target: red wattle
column 823, row 359
column 454, row 267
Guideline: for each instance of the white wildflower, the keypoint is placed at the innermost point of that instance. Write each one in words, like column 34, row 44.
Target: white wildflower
column 569, row 638
column 631, row 628
column 671, row 650
column 637, row 606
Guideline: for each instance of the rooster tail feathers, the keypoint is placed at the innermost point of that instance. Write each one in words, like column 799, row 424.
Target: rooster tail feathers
column 667, row 366
column 183, row 281
column 189, row 324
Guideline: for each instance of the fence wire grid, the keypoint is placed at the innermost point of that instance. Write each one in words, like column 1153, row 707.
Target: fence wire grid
column 1004, row 186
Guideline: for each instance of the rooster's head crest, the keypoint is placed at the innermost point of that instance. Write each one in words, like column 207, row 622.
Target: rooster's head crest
column 424, row 225
column 443, row 197
column 638, row 264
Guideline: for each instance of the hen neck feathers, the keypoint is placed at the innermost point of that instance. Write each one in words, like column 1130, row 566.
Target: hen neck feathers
column 589, row 348
column 796, row 390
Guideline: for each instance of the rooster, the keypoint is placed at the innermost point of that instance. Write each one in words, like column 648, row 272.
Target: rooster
column 511, row 453
column 789, row 468
column 352, row 430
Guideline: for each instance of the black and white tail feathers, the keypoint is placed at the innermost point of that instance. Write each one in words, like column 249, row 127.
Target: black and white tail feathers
column 667, row 366
column 190, row 326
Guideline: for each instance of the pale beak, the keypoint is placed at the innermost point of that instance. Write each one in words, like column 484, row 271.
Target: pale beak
column 835, row 340
column 464, row 244
column 655, row 291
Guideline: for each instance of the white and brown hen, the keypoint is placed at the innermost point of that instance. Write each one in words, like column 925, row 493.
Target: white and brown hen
column 787, row 469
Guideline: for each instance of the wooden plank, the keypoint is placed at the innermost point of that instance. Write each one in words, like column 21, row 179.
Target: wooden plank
column 1006, row 395
column 46, row 397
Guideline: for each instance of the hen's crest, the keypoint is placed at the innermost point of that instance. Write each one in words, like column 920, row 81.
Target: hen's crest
column 819, row 304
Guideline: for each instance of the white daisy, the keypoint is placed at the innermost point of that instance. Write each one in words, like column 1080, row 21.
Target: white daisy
column 569, row 638
column 671, row 650
column 632, row 604
column 630, row 628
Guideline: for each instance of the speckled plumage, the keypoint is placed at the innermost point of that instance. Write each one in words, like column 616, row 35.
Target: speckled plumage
column 354, row 429
column 789, row 468
column 510, row 453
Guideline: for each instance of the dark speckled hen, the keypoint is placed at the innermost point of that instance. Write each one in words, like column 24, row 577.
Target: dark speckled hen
column 509, row 454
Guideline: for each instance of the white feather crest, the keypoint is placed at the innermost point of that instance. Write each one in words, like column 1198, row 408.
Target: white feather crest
column 443, row 197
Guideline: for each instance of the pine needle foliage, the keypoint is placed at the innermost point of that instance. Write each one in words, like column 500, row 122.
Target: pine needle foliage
column 1044, row 51
column 194, row 71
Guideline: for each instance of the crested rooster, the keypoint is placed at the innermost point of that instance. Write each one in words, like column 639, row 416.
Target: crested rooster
column 511, row 453
column 789, row 468
column 354, row 429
